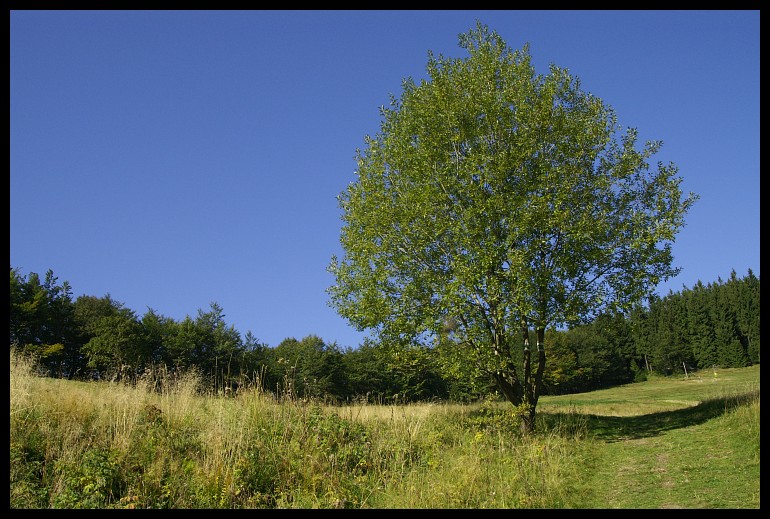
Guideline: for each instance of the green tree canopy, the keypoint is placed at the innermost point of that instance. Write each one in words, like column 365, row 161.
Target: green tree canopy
column 494, row 200
column 42, row 321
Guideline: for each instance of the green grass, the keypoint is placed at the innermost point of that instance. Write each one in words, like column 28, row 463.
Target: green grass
column 673, row 442
column 664, row 443
column 709, row 464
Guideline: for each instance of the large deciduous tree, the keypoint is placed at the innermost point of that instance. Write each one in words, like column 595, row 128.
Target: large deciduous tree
column 495, row 201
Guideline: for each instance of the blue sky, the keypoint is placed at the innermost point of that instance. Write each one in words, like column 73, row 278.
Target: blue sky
column 172, row 159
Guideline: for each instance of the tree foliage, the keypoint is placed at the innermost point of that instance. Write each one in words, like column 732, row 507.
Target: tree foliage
column 715, row 325
column 308, row 368
column 42, row 322
column 496, row 199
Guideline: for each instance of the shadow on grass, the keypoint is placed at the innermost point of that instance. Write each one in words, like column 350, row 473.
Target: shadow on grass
column 617, row 428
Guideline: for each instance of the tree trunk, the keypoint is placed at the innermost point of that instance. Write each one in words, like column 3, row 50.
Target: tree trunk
column 510, row 386
column 524, row 393
column 532, row 385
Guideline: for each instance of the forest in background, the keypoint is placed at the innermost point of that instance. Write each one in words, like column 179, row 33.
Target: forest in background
column 98, row 338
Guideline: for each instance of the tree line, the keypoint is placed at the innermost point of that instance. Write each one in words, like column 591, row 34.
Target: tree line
column 98, row 338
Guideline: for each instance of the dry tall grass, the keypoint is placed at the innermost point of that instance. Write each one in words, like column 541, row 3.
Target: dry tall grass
column 163, row 444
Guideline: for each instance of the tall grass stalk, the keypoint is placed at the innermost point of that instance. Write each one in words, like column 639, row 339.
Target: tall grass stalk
column 162, row 443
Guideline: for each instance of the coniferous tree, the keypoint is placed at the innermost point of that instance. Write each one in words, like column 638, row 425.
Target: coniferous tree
column 730, row 350
column 748, row 315
column 641, row 326
column 700, row 325
column 619, row 353
column 744, row 297
column 42, row 322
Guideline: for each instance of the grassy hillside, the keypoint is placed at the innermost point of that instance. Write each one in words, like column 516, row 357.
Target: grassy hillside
column 664, row 443
column 673, row 442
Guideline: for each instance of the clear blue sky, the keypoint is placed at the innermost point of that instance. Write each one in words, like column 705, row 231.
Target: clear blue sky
column 172, row 159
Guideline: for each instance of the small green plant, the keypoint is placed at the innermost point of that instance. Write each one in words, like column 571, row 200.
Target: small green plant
column 27, row 477
column 256, row 474
column 92, row 481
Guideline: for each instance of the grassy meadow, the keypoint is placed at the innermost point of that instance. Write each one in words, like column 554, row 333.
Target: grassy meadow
column 675, row 442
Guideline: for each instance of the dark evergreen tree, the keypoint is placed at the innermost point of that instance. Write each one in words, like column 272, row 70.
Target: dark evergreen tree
column 42, row 322
column 730, row 350
column 641, row 328
column 744, row 299
column 618, row 355
column 675, row 353
column 700, row 327
column 748, row 315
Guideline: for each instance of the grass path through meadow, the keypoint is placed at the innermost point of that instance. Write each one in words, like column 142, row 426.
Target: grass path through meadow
column 694, row 467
